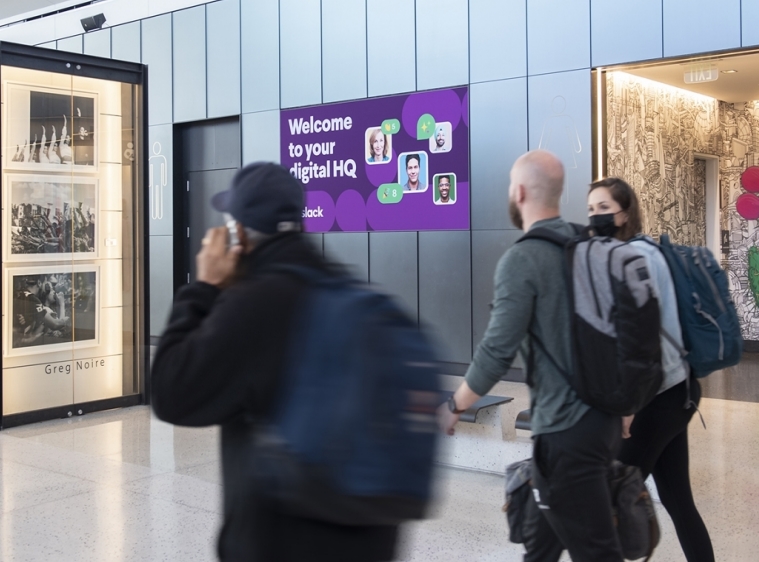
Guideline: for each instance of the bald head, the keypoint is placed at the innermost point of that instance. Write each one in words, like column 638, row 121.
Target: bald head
column 542, row 175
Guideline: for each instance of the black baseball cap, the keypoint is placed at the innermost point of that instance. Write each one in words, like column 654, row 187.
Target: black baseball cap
column 263, row 196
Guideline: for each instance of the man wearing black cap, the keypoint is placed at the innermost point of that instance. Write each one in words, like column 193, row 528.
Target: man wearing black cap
column 222, row 358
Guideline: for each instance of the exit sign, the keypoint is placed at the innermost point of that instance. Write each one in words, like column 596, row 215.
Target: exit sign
column 701, row 73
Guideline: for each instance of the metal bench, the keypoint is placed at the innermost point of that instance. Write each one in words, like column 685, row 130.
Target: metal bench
column 524, row 420
column 470, row 416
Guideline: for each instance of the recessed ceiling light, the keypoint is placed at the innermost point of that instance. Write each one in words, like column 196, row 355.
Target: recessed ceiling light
column 732, row 71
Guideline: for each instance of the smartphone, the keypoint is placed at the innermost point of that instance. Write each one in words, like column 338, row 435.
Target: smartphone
column 234, row 237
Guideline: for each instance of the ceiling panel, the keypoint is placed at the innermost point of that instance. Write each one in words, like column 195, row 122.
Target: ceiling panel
column 735, row 87
column 12, row 10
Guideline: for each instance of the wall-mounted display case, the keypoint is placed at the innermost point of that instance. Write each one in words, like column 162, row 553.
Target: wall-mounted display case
column 73, row 235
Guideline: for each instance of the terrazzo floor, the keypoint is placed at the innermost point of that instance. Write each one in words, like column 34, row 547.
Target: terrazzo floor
column 123, row 486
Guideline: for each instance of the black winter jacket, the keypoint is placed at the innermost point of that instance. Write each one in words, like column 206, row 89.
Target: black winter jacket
column 220, row 361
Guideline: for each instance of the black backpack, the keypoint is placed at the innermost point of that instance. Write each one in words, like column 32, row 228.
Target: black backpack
column 615, row 321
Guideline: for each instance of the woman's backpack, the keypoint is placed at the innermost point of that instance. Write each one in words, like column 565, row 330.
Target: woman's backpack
column 709, row 321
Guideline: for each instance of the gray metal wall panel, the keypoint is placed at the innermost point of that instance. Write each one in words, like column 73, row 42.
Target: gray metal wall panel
column 445, row 292
column 625, row 30
column 558, row 35
column 161, row 173
column 71, row 44
column 497, row 39
column 98, row 43
column 260, row 55
column 161, row 282
column 393, row 265
column 49, row 45
column 698, row 26
column 344, row 49
column 189, row 43
column 223, row 51
column 350, row 249
column 156, row 53
column 260, row 137
column 300, row 52
column 500, row 107
column 317, row 239
column 125, row 42
column 559, row 121
column 442, row 46
column 391, row 46
column 749, row 17
column 487, row 248
column 212, row 145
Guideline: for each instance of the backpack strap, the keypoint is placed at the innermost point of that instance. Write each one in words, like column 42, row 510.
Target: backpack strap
column 561, row 240
column 536, row 340
column 551, row 235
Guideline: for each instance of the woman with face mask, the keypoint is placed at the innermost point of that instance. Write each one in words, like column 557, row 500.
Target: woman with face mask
column 656, row 438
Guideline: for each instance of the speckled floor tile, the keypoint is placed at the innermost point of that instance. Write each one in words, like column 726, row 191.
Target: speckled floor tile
column 181, row 489
column 110, row 524
column 23, row 486
column 124, row 486
column 210, row 472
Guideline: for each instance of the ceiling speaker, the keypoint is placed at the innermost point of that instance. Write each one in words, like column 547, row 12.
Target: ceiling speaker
column 94, row 22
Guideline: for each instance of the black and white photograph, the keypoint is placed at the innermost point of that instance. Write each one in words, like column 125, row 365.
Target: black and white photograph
column 53, row 309
column 51, row 217
column 50, row 129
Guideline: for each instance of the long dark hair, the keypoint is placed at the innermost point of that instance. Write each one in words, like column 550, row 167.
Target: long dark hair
column 623, row 194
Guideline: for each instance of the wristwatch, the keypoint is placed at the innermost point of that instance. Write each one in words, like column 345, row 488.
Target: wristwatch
column 452, row 406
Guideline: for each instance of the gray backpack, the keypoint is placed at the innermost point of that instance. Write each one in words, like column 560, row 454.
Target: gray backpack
column 615, row 321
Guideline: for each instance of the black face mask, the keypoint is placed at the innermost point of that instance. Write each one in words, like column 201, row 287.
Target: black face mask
column 603, row 225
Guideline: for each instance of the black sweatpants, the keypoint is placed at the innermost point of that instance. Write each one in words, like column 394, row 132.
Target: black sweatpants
column 570, row 484
column 658, row 444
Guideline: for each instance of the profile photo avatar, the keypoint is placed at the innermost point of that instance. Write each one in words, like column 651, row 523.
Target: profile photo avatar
column 442, row 140
column 412, row 171
column 445, row 189
column 379, row 146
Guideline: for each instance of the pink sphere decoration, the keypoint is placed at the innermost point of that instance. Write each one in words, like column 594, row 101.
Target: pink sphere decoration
column 750, row 179
column 747, row 206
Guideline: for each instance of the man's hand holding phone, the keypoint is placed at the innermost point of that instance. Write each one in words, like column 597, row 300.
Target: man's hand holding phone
column 217, row 259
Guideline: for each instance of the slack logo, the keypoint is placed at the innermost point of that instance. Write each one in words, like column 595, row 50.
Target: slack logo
column 313, row 213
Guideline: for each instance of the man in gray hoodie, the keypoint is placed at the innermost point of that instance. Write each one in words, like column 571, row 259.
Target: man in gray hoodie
column 573, row 444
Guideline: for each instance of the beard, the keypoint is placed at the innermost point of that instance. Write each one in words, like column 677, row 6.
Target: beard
column 515, row 214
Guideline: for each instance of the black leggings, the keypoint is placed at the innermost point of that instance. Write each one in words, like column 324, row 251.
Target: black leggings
column 659, row 446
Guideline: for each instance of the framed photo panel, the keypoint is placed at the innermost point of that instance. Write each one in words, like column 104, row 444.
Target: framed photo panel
column 54, row 308
column 50, row 218
column 51, row 130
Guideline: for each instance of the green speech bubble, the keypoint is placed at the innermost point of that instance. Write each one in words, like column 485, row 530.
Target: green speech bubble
column 391, row 126
column 425, row 127
column 389, row 193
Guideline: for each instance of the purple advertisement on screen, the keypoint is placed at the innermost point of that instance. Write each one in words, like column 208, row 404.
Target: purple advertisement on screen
column 393, row 163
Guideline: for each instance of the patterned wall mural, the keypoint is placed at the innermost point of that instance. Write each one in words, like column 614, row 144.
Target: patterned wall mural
column 654, row 133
